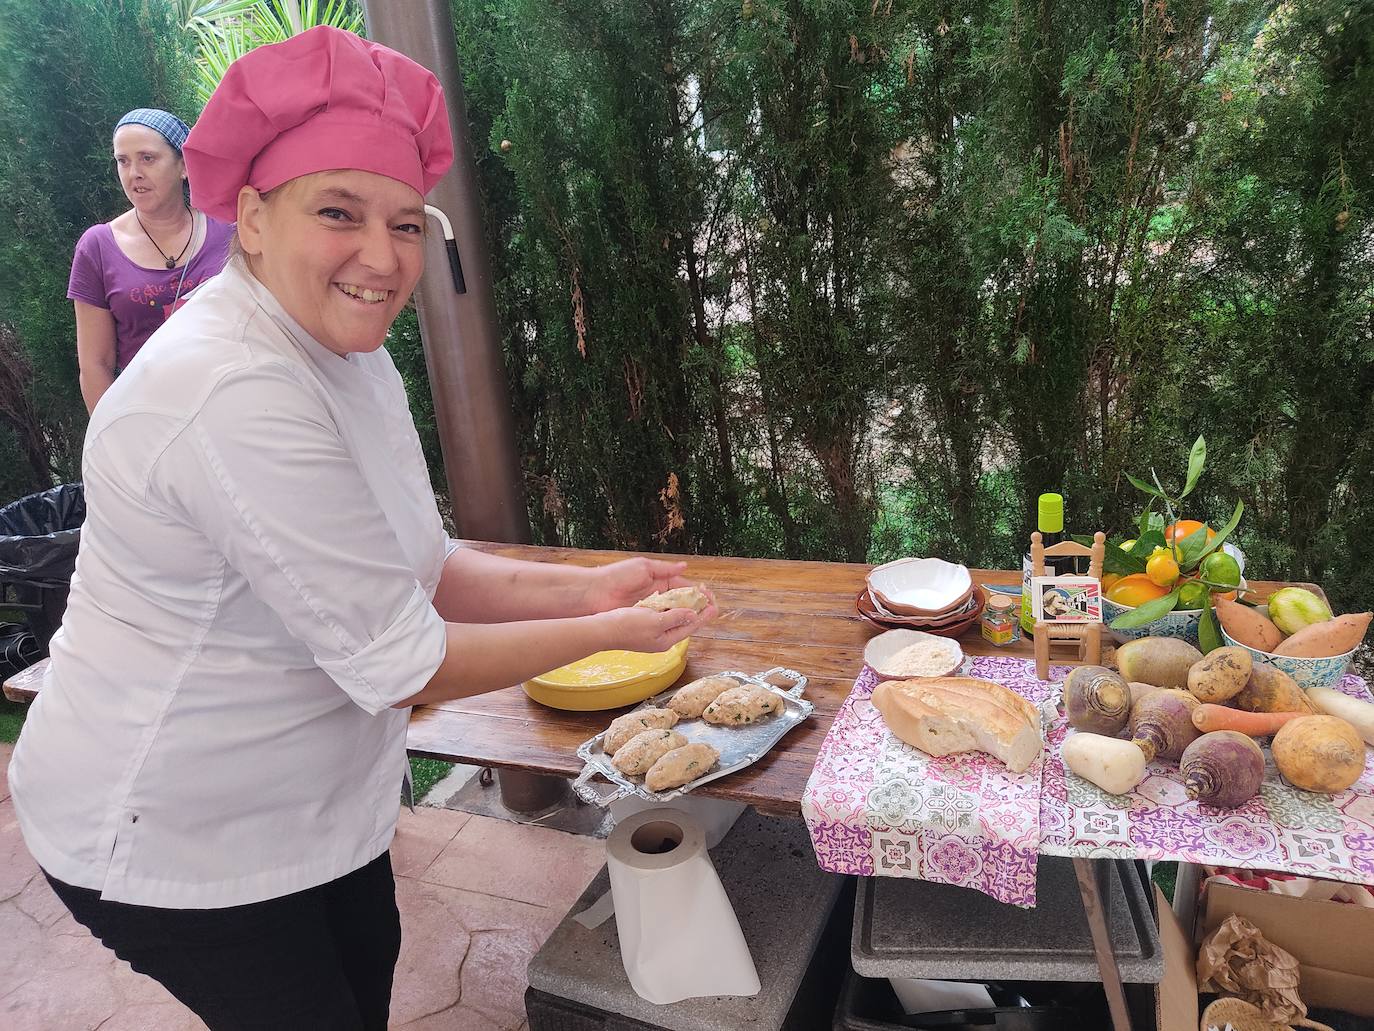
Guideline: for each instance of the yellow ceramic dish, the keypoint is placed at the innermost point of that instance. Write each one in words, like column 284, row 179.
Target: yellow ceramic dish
column 609, row 680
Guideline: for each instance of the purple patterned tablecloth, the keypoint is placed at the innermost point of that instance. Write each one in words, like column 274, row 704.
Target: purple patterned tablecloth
column 876, row 806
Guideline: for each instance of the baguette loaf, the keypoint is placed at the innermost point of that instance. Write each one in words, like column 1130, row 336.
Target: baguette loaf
column 943, row 715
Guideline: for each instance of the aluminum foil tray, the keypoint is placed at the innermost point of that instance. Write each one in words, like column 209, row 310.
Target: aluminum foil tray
column 738, row 746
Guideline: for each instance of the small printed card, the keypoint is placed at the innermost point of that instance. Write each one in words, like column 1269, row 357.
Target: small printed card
column 1067, row 599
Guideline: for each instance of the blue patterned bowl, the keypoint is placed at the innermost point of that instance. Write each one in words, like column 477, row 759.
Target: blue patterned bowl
column 1181, row 623
column 1325, row 672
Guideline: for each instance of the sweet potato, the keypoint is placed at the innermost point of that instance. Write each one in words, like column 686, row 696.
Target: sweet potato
column 1220, row 675
column 1272, row 690
column 1331, row 637
column 1319, row 753
column 1248, row 626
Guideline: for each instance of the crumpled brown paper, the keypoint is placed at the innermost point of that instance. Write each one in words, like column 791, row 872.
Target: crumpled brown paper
column 1238, row 960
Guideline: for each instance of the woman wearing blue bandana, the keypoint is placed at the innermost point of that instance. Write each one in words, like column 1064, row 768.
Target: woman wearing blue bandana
column 129, row 274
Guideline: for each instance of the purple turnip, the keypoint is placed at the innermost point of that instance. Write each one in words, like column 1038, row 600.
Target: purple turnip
column 1223, row 768
column 1097, row 700
column 1164, row 724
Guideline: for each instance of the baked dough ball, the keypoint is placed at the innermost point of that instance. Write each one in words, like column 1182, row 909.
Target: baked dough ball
column 623, row 728
column 693, row 598
column 743, row 704
column 691, row 700
column 681, row 765
column 636, row 755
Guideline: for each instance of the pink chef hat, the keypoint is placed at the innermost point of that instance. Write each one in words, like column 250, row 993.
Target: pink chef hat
column 322, row 100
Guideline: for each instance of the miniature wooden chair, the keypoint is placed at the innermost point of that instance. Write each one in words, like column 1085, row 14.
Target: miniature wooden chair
column 1086, row 637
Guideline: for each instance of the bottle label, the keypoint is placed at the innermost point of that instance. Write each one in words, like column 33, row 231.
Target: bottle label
column 1027, row 615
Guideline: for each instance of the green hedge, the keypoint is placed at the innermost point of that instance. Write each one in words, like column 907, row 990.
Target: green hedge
column 845, row 281
column 862, row 280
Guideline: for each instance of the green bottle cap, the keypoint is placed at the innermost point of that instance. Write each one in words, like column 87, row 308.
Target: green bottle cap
column 1051, row 513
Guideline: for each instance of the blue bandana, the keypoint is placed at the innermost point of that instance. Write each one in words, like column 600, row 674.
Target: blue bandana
column 169, row 126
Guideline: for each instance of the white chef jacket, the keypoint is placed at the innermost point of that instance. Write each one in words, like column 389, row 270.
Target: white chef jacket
column 252, row 593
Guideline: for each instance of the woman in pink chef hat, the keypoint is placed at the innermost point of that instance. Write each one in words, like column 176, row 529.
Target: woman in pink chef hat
column 209, row 777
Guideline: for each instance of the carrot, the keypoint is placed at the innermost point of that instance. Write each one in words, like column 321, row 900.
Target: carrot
column 1208, row 718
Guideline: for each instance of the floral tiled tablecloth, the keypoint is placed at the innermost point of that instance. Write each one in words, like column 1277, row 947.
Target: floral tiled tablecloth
column 876, row 806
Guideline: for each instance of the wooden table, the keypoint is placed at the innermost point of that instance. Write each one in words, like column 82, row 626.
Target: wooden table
column 773, row 613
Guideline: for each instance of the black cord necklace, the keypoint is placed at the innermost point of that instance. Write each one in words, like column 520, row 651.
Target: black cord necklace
column 171, row 261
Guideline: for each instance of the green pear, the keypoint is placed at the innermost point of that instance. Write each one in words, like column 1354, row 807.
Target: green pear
column 1293, row 608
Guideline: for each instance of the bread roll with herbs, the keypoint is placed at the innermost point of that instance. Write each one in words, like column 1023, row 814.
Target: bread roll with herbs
column 693, row 598
column 681, row 766
column 636, row 755
column 742, row 705
column 623, row 728
column 691, row 701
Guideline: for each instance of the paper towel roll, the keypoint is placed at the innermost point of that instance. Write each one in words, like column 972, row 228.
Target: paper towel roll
column 715, row 815
column 679, row 936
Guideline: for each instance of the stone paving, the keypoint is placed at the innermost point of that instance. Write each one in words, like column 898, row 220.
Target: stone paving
column 477, row 895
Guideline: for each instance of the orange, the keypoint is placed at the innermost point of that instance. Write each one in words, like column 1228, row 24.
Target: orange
column 1162, row 568
column 1184, row 528
column 1109, row 581
column 1134, row 590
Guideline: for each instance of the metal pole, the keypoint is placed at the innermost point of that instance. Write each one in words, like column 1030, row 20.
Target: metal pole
column 461, row 338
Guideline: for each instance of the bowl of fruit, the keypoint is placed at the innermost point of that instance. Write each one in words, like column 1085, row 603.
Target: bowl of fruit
column 1296, row 633
column 1162, row 582
column 1123, row 595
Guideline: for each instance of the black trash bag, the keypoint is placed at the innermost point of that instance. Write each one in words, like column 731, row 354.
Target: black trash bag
column 19, row 649
column 39, row 536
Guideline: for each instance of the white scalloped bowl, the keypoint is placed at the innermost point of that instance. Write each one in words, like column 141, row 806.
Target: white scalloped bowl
column 882, row 648
column 920, row 586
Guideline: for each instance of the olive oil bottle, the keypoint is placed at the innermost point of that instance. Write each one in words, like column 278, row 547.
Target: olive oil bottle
column 1050, row 523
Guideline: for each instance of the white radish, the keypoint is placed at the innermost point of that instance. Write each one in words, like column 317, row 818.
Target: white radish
column 1358, row 714
column 1113, row 765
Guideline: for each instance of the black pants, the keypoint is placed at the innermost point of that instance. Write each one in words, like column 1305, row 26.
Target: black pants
column 322, row 958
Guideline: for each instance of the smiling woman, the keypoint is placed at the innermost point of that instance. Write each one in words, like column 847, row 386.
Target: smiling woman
column 341, row 250
column 264, row 584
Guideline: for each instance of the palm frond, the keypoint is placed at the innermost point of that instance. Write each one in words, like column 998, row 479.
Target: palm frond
column 231, row 28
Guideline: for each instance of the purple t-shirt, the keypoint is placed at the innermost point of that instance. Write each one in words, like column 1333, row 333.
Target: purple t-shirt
column 140, row 299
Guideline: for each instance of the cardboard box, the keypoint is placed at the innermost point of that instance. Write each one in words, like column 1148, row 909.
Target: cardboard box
column 1177, row 1002
column 1333, row 942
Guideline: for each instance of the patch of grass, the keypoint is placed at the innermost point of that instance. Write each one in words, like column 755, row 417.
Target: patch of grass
column 1166, row 876
column 11, row 719
column 426, row 773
